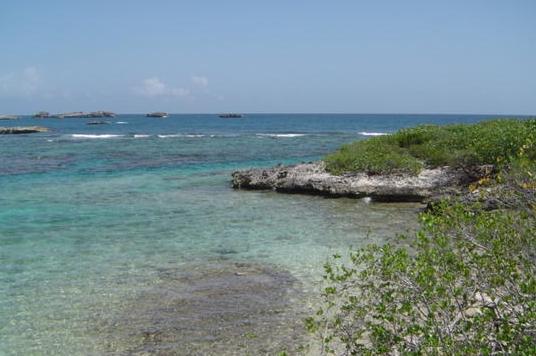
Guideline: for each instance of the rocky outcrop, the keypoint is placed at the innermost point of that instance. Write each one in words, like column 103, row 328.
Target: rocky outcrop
column 21, row 130
column 41, row 115
column 312, row 178
column 8, row 117
column 75, row 115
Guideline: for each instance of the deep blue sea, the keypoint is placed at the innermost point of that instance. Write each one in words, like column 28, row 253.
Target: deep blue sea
column 127, row 238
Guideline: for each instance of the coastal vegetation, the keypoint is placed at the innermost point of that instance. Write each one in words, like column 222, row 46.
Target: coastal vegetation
column 429, row 146
column 465, row 283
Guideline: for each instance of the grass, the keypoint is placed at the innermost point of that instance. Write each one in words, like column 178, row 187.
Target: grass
column 410, row 150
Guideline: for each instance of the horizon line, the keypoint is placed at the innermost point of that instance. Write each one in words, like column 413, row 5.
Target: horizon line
column 310, row 113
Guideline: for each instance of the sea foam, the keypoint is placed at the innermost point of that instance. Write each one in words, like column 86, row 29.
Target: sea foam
column 181, row 135
column 95, row 136
column 364, row 133
column 280, row 135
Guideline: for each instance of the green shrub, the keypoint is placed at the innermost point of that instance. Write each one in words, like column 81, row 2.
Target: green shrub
column 469, row 288
column 373, row 156
column 465, row 285
column 408, row 150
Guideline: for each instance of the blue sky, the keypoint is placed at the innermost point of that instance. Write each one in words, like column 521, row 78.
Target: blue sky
column 269, row 56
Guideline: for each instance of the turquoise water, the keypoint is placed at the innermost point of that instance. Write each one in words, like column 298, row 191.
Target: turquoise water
column 102, row 228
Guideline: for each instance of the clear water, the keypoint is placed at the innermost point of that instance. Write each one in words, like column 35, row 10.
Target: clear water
column 101, row 225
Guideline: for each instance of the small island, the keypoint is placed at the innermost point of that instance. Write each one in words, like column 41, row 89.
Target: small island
column 22, row 130
column 74, row 115
column 8, row 117
column 41, row 115
column 158, row 114
column 231, row 116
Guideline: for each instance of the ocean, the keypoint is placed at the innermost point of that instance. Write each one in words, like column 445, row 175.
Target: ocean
column 127, row 238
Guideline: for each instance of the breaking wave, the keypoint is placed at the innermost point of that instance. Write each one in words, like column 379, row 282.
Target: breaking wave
column 364, row 133
column 181, row 135
column 280, row 135
column 95, row 136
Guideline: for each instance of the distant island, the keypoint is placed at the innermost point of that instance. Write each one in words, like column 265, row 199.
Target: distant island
column 231, row 116
column 75, row 114
column 21, row 130
column 8, row 117
column 157, row 114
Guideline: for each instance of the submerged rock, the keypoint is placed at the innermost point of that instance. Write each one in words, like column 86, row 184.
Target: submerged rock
column 312, row 178
column 100, row 122
column 21, row 130
column 212, row 309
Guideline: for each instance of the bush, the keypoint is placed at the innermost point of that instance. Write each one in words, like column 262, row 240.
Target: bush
column 373, row 156
column 465, row 285
column 409, row 150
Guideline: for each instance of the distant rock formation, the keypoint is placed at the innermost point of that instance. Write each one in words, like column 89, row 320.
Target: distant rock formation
column 101, row 114
column 8, row 117
column 157, row 114
column 21, row 130
column 230, row 116
column 41, row 115
column 70, row 115
column 312, row 178
column 82, row 115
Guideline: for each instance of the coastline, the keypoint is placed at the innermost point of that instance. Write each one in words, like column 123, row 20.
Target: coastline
column 313, row 178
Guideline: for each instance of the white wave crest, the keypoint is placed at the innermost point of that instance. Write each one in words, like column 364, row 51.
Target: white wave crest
column 121, row 122
column 141, row 136
column 95, row 136
column 180, row 135
column 280, row 135
column 364, row 133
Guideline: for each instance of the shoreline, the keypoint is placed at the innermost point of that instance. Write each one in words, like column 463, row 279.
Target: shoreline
column 313, row 179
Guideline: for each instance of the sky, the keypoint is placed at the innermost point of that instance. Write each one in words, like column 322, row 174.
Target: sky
column 339, row 56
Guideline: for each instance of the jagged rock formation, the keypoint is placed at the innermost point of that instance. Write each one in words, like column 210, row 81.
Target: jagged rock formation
column 312, row 178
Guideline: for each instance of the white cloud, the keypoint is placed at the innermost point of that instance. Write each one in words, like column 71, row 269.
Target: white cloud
column 200, row 81
column 24, row 83
column 154, row 87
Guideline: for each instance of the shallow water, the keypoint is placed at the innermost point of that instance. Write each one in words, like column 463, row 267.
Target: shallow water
column 127, row 238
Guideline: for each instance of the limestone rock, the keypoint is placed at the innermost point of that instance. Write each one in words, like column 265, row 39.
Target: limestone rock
column 312, row 178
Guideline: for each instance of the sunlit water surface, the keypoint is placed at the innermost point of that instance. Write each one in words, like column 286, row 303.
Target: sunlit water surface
column 127, row 237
